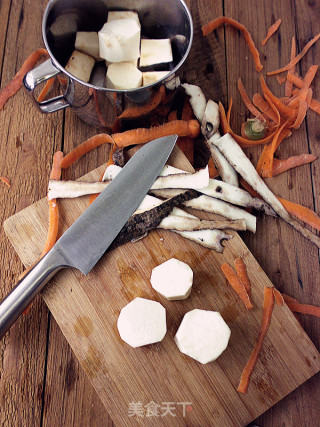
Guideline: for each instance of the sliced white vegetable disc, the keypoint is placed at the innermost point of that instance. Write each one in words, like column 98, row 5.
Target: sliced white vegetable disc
column 172, row 279
column 142, row 322
column 202, row 335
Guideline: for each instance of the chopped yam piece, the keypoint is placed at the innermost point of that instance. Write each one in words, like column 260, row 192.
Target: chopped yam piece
column 203, row 335
column 88, row 42
column 150, row 77
column 123, row 75
column 155, row 51
column 172, row 279
column 142, row 322
column 80, row 65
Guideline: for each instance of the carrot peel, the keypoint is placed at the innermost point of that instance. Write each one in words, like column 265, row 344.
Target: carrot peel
column 268, row 303
column 236, row 284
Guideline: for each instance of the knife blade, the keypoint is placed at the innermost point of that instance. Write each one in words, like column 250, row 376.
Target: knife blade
column 88, row 238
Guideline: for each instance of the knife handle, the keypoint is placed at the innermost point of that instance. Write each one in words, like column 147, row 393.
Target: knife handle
column 26, row 289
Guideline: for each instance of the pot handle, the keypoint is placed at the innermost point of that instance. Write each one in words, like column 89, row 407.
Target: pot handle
column 41, row 73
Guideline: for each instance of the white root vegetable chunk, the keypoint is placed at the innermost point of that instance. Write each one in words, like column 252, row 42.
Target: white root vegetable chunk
column 155, row 51
column 142, row 322
column 80, row 65
column 88, row 42
column 150, row 77
column 203, row 335
column 172, row 279
column 123, row 14
column 123, row 75
column 119, row 40
column 197, row 100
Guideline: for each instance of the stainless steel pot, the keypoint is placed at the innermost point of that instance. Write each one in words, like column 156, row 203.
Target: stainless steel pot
column 92, row 102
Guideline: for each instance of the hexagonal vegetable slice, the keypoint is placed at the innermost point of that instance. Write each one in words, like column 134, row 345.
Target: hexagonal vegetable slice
column 202, row 335
column 142, row 322
column 172, row 279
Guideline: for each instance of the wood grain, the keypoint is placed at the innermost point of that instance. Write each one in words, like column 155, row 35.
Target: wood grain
column 293, row 266
column 86, row 309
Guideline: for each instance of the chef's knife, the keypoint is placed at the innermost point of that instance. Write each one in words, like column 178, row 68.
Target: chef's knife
column 83, row 244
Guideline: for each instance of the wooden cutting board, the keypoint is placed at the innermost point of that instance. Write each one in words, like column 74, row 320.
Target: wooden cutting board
column 157, row 385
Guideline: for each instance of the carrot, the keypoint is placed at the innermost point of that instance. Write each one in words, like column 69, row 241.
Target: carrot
column 236, row 284
column 45, row 89
column 246, row 100
column 281, row 79
column 138, row 111
column 84, row 148
column 15, row 84
column 280, row 166
column 241, row 270
column 268, row 303
column 229, row 110
column 301, row 212
column 243, row 142
column 272, row 29
column 172, row 116
column 278, row 297
column 5, row 180
column 142, row 135
column 304, row 308
column 53, row 206
column 265, row 107
column 213, row 173
column 281, row 107
column 288, row 86
column 265, row 163
column 297, row 58
column 211, row 26
column 297, row 81
column 308, row 78
column 93, row 92
column 287, row 299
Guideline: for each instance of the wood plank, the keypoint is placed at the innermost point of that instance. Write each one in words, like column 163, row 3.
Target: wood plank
column 288, row 269
column 27, row 141
column 124, row 273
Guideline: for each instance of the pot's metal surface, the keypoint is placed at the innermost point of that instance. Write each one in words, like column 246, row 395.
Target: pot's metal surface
column 93, row 102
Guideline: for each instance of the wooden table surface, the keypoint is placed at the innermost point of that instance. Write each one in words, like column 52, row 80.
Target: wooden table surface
column 41, row 381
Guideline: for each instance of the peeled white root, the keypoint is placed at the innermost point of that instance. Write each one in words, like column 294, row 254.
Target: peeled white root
column 119, row 40
column 150, row 77
column 156, row 51
column 80, row 65
column 123, row 75
column 88, row 42
column 197, row 100
column 172, row 279
column 142, row 322
column 203, row 335
column 211, row 119
column 123, row 14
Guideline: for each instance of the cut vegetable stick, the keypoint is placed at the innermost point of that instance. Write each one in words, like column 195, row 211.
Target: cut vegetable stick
column 211, row 26
column 236, row 284
column 297, row 58
column 241, row 270
column 289, row 86
column 268, row 303
column 280, row 166
column 278, row 297
column 53, row 206
column 46, row 89
column 84, row 148
column 272, row 29
column 301, row 212
column 5, row 180
column 138, row 111
column 307, row 80
column 14, row 85
column 302, row 111
column 142, row 135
